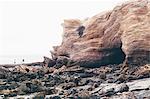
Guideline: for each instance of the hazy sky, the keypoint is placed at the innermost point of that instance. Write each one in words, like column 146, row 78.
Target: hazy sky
column 32, row 27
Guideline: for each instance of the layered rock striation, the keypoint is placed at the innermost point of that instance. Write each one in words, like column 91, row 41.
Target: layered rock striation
column 113, row 37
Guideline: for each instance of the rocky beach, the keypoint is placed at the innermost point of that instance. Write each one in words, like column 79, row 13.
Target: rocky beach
column 111, row 82
column 106, row 56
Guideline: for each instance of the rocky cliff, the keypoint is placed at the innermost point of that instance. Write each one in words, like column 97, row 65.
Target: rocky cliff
column 118, row 39
column 113, row 37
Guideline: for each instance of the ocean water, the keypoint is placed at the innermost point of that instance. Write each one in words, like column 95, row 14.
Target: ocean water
column 6, row 59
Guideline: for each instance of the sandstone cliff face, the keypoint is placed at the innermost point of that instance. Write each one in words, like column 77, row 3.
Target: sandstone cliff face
column 122, row 34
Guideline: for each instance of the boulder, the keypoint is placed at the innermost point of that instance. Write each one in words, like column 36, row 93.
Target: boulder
column 48, row 62
column 122, row 88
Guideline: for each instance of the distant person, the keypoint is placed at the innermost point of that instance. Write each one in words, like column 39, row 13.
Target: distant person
column 80, row 30
column 14, row 61
column 22, row 60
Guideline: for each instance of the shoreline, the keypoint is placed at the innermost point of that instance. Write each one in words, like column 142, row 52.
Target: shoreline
column 28, row 64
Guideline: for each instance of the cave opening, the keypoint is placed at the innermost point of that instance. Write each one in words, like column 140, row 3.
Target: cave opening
column 117, row 57
column 112, row 56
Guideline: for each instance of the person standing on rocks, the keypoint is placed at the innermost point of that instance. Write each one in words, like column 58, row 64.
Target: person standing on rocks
column 22, row 61
column 14, row 61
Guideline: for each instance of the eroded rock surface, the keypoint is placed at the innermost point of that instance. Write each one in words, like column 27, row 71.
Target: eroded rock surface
column 122, row 34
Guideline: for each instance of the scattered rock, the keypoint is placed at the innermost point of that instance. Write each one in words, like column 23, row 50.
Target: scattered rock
column 67, row 86
column 52, row 97
column 48, row 62
column 121, row 88
column 141, row 84
column 61, row 60
column 121, row 78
